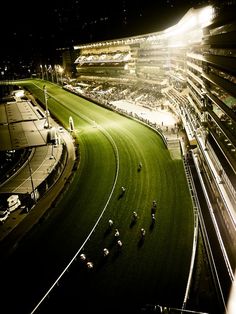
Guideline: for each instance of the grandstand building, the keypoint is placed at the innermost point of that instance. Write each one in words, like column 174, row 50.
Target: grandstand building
column 190, row 66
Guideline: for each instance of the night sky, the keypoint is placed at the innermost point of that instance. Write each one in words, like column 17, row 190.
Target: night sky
column 33, row 28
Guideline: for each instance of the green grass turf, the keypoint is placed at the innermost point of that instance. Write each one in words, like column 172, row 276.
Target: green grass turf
column 154, row 271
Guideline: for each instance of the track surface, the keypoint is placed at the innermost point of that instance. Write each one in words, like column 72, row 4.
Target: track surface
column 153, row 271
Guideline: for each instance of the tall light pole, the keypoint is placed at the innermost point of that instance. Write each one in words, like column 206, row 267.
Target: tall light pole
column 46, row 105
column 51, row 72
column 32, row 183
column 56, row 72
column 41, row 67
column 60, row 70
column 46, row 72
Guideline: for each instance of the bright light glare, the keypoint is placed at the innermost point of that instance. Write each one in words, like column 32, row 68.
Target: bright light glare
column 60, row 69
column 182, row 27
column 189, row 24
column 20, row 93
column 205, row 16
column 192, row 20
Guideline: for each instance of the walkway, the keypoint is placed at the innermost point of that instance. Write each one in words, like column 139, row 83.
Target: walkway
column 41, row 165
column 37, row 168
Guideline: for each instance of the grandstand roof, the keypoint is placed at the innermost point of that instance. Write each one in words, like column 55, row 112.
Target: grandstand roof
column 21, row 126
column 19, row 111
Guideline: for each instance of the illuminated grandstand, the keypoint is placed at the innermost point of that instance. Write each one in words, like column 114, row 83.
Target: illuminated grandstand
column 190, row 68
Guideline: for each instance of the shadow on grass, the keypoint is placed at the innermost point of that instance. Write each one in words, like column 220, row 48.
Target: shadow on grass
column 152, row 225
column 121, row 195
column 141, row 242
column 116, row 254
column 112, row 243
column 107, row 232
column 102, row 262
column 133, row 222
